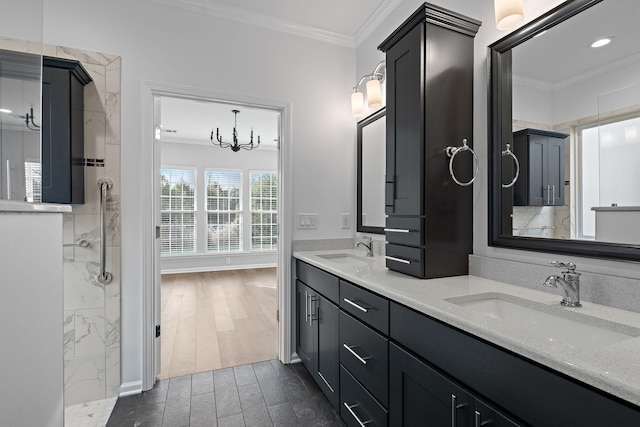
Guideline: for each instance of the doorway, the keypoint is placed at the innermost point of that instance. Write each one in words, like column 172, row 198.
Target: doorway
column 217, row 220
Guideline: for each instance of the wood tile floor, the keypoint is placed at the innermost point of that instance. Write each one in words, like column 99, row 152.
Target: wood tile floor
column 217, row 319
column 260, row 394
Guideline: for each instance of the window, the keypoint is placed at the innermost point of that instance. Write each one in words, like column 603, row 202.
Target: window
column 608, row 150
column 264, row 211
column 223, row 210
column 33, row 182
column 178, row 211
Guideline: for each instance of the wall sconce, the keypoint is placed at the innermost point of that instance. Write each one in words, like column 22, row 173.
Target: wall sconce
column 509, row 13
column 374, row 92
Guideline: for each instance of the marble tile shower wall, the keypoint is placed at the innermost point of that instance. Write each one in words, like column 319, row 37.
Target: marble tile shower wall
column 91, row 310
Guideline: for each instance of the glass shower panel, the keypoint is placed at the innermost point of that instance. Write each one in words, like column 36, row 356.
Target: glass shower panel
column 20, row 99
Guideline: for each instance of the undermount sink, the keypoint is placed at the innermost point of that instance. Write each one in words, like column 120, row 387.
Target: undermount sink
column 346, row 258
column 554, row 323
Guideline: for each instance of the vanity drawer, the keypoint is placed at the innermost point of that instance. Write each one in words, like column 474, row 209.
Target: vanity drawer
column 366, row 306
column 321, row 281
column 404, row 231
column 405, row 259
column 357, row 406
column 364, row 352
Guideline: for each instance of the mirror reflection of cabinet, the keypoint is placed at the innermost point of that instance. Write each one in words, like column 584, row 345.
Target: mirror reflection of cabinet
column 541, row 156
column 371, row 164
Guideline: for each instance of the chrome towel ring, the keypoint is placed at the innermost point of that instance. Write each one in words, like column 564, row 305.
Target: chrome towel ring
column 451, row 153
column 508, row 152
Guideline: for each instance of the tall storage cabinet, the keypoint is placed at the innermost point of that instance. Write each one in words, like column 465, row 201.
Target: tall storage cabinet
column 541, row 157
column 63, row 84
column 429, row 107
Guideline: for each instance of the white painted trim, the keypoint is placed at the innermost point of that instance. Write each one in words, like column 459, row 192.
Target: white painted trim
column 150, row 89
column 218, row 268
column 376, row 18
column 128, row 389
column 250, row 18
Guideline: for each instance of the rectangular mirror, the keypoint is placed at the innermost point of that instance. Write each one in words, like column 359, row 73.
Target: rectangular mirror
column 570, row 114
column 371, row 137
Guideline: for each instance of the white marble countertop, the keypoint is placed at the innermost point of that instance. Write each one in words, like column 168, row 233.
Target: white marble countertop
column 614, row 368
column 16, row 206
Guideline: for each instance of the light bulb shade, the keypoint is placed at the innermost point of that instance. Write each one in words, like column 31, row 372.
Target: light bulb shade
column 357, row 104
column 509, row 13
column 374, row 96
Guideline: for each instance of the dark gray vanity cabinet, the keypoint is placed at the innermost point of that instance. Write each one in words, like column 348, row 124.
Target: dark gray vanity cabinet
column 541, row 155
column 317, row 327
column 420, row 396
column 531, row 394
column 62, row 128
column 429, row 61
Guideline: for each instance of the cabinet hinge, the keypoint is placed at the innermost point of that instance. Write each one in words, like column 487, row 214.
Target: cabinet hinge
column 157, row 331
column 277, row 315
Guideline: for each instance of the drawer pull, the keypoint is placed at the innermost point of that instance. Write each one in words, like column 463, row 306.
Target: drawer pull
column 404, row 261
column 326, row 382
column 358, row 306
column 356, row 355
column 397, row 230
column 353, row 414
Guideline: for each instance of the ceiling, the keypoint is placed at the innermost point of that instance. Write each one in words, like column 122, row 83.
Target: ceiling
column 342, row 22
column 191, row 121
column 563, row 54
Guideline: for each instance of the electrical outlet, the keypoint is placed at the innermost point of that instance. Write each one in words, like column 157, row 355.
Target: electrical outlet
column 345, row 220
column 228, row 261
column 308, row 221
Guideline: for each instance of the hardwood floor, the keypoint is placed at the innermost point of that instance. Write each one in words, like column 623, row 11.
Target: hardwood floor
column 218, row 319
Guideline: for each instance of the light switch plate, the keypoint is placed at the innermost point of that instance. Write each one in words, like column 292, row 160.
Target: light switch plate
column 345, row 220
column 308, row 221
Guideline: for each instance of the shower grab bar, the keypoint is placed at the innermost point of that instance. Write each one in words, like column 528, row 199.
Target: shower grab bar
column 104, row 277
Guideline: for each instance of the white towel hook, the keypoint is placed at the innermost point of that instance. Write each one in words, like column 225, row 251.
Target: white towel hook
column 451, row 153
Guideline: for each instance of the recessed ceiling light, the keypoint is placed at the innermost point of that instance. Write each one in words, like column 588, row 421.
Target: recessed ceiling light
column 602, row 42
column 4, row 110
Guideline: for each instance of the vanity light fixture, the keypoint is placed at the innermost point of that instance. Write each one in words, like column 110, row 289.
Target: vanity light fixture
column 235, row 146
column 509, row 13
column 373, row 87
column 601, row 42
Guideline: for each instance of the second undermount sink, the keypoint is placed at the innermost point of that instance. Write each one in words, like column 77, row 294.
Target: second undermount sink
column 554, row 323
column 346, row 258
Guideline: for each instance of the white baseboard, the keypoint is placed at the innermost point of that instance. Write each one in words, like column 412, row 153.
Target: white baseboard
column 127, row 389
column 216, row 268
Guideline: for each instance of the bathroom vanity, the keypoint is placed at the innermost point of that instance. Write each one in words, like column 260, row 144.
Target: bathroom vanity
column 461, row 350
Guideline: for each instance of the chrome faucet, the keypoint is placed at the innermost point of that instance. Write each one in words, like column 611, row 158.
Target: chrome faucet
column 367, row 244
column 569, row 282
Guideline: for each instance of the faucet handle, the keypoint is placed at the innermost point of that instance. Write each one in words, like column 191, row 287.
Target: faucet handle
column 571, row 267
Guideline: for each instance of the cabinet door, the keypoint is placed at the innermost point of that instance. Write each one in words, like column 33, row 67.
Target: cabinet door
column 555, row 172
column 405, row 129
column 420, row 396
column 328, row 354
column 538, row 170
column 484, row 415
column 304, row 326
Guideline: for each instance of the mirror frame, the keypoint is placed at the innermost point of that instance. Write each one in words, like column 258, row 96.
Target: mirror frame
column 501, row 133
column 377, row 115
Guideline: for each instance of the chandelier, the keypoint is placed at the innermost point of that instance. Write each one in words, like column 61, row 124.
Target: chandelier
column 235, row 146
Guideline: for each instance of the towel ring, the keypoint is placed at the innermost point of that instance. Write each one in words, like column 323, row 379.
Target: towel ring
column 508, row 152
column 452, row 151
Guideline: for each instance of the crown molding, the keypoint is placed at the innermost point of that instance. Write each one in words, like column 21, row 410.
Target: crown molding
column 374, row 21
column 258, row 20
